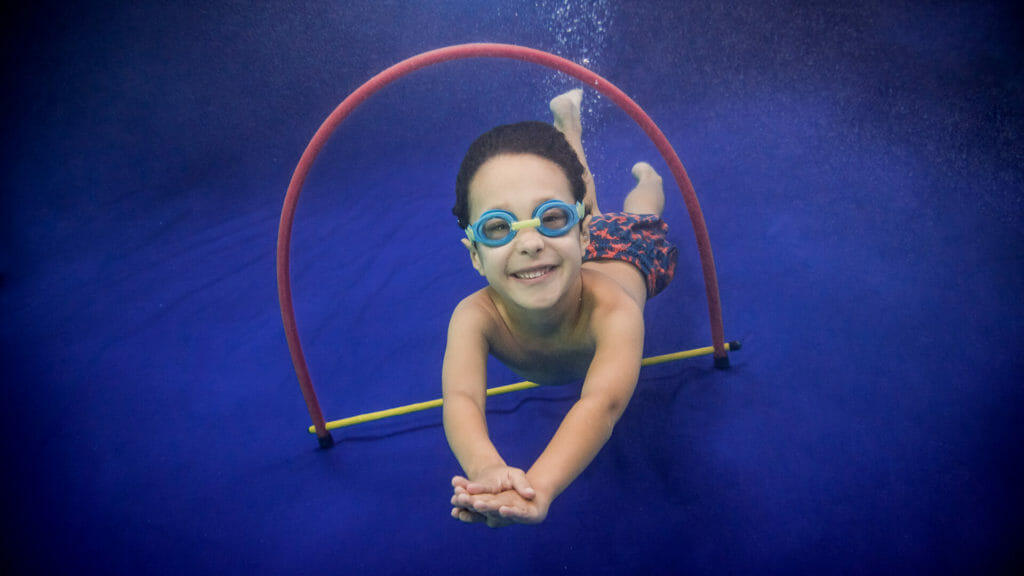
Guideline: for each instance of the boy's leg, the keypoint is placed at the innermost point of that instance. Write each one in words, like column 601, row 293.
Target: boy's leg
column 648, row 197
column 566, row 111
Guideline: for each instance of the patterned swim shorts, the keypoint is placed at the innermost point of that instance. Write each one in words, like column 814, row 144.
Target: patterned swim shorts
column 638, row 239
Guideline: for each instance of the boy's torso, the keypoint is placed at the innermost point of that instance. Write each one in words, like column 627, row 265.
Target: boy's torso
column 559, row 359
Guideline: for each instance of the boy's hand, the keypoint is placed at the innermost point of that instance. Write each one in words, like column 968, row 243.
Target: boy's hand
column 490, row 481
column 494, row 480
column 499, row 510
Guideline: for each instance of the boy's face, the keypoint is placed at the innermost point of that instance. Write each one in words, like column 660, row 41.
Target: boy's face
column 532, row 271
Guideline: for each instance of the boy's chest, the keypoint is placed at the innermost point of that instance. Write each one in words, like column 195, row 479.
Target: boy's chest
column 547, row 362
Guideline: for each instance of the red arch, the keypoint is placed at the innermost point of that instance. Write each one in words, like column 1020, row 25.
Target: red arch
column 458, row 52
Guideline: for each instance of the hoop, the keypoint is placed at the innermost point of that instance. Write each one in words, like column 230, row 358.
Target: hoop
column 446, row 54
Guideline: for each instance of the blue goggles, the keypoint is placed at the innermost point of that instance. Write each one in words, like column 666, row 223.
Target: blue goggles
column 498, row 227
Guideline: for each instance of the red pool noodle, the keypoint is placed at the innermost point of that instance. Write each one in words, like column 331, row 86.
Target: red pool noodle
column 458, row 52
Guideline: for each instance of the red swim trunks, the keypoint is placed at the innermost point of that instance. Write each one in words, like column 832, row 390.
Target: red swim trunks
column 638, row 239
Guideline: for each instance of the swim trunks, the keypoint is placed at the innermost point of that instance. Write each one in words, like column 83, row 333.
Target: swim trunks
column 638, row 239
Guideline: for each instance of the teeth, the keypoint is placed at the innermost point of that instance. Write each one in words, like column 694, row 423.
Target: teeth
column 530, row 275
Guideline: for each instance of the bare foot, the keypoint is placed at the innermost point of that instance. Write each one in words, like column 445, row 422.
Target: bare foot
column 648, row 197
column 566, row 110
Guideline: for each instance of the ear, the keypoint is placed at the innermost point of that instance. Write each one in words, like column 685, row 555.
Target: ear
column 474, row 256
column 585, row 233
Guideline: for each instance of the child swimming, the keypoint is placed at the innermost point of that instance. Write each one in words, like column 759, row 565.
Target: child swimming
column 567, row 286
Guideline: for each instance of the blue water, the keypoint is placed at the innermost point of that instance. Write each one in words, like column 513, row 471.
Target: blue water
column 860, row 172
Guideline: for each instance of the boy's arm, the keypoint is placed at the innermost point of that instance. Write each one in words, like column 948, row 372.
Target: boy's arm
column 609, row 385
column 464, row 386
column 607, row 389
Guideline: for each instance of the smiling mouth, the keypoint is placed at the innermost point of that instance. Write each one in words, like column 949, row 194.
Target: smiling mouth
column 534, row 273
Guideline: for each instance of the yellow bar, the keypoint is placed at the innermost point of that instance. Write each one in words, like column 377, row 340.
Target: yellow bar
column 421, row 406
column 654, row 360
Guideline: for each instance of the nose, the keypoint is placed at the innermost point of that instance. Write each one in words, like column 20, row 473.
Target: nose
column 529, row 241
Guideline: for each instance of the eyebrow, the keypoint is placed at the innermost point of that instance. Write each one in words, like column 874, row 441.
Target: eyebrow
column 505, row 207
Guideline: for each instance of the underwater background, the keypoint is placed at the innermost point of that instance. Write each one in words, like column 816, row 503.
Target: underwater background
column 859, row 165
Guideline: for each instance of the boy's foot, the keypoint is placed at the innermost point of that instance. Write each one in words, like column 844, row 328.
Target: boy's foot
column 648, row 197
column 566, row 110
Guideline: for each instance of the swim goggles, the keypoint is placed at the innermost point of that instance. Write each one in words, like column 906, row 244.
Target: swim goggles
column 498, row 227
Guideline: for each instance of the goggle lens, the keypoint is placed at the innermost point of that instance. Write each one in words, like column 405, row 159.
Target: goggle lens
column 553, row 221
column 495, row 228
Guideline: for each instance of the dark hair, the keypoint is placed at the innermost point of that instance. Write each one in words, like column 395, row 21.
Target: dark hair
column 535, row 138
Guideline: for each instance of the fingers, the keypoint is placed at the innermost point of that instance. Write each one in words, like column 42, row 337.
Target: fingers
column 506, row 516
column 467, row 516
column 521, row 484
column 462, row 500
column 480, row 505
column 488, row 511
column 485, row 506
column 483, row 488
column 463, row 511
column 498, row 500
column 510, row 479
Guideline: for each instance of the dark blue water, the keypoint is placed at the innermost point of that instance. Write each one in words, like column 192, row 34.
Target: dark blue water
column 860, row 172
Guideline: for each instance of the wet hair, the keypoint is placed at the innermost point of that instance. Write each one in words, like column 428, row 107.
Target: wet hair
column 535, row 138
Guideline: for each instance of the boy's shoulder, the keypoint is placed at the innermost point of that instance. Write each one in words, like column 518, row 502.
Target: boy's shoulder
column 476, row 310
column 610, row 307
column 476, row 301
column 605, row 293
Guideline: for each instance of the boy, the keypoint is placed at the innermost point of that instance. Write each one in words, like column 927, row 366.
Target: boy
column 565, row 297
